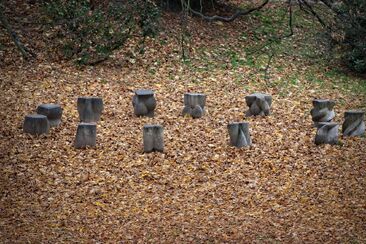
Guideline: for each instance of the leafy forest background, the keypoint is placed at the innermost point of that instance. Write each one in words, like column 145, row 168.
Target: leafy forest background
column 88, row 32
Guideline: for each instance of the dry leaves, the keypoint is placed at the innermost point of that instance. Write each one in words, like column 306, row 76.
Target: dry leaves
column 283, row 188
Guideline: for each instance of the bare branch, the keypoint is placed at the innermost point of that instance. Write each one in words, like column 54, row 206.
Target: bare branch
column 239, row 13
column 331, row 7
column 313, row 12
column 302, row 7
column 266, row 69
column 290, row 25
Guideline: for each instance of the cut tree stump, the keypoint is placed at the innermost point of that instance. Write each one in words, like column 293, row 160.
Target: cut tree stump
column 239, row 134
column 90, row 109
column 144, row 103
column 36, row 124
column 86, row 135
column 153, row 138
column 327, row 133
column 259, row 104
column 53, row 113
column 194, row 104
column 322, row 111
column 353, row 124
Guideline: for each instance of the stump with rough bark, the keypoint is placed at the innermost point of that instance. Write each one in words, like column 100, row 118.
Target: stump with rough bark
column 259, row 104
column 90, row 109
column 53, row 113
column 353, row 124
column 239, row 134
column 36, row 124
column 322, row 111
column 86, row 135
column 153, row 138
column 194, row 104
column 327, row 133
column 144, row 103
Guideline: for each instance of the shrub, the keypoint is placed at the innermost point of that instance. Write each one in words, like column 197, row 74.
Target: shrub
column 89, row 33
column 148, row 21
column 352, row 22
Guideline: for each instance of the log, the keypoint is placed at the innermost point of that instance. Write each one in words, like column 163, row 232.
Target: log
column 194, row 105
column 259, row 104
column 353, row 124
column 144, row 103
column 322, row 111
column 36, row 124
column 153, row 138
column 53, row 113
column 86, row 135
column 90, row 109
column 327, row 133
column 239, row 134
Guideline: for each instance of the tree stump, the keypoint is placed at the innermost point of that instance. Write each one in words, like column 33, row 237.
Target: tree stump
column 153, row 138
column 36, row 124
column 327, row 133
column 259, row 104
column 353, row 124
column 322, row 111
column 239, row 134
column 86, row 135
column 53, row 113
column 90, row 109
column 194, row 104
column 144, row 103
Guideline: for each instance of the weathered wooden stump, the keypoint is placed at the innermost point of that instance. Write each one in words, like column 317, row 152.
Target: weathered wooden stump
column 153, row 138
column 322, row 111
column 194, row 104
column 144, row 103
column 90, row 109
column 239, row 134
column 259, row 104
column 53, row 113
column 36, row 124
column 353, row 124
column 327, row 133
column 86, row 135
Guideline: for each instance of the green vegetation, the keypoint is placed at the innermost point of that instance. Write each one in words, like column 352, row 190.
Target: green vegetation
column 353, row 26
column 90, row 34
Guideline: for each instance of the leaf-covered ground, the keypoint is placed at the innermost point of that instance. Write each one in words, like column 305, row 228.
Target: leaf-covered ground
column 283, row 188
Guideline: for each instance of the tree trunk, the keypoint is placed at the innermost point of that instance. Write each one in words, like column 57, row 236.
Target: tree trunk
column 22, row 49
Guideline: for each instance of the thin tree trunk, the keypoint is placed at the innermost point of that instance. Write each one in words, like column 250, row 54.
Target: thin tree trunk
column 26, row 53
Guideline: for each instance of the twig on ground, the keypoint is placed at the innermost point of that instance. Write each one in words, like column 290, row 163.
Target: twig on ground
column 26, row 53
column 239, row 13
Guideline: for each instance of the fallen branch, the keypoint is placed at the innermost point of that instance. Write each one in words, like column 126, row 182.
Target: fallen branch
column 231, row 18
column 338, row 13
column 26, row 53
column 315, row 14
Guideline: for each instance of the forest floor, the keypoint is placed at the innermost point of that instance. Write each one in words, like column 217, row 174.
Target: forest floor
column 283, row 188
